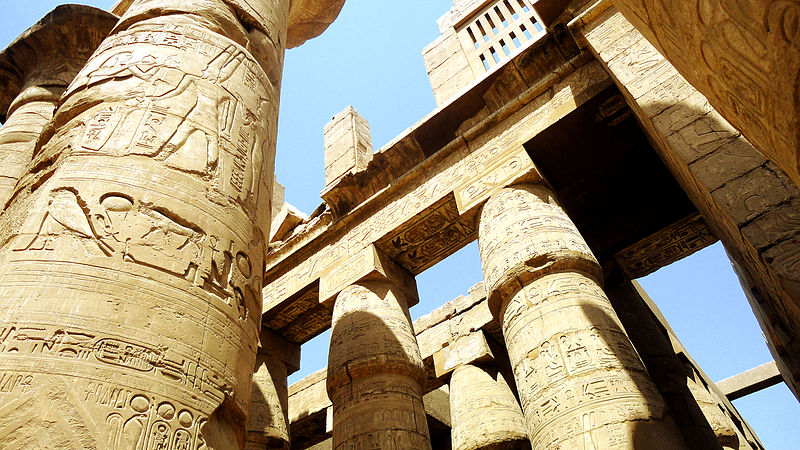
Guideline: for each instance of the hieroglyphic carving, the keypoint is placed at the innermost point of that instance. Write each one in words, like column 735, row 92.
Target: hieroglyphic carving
column 507, row 169
column 483, row 411
column 368, row 264
column 743, row 56
column 375, row 371
column 671, row 244
column 579, row 378
column 143, row 247
column 34, row 71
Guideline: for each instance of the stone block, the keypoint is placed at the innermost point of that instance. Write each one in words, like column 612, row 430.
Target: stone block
column 777, row 224
column 368, row 265
column 348, row 145
column 751, row 195
column 734, row 158
column 470, row 349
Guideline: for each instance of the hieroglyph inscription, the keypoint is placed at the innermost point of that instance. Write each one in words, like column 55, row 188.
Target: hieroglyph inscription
column 128, row 231
column 139, row 261
column 193, row 101
column 742, row 55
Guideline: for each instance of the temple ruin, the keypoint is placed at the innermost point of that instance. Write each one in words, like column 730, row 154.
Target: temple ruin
column 156, row 290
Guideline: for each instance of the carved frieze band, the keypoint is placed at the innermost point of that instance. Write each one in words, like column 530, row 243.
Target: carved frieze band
column 661, row 249
column 435, row 215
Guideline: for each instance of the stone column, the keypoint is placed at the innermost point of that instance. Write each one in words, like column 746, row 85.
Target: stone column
column 484, row 412
column 268, row 421
column 580, row 381
column 375, row 371
column 35, row 70
column 132, row 256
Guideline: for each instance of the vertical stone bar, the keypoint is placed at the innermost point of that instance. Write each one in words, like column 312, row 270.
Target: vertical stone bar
column 35, row 70
column 131, row 258
column 375, row 371
column 580, row 381
column 268, row 421
column 484, row 412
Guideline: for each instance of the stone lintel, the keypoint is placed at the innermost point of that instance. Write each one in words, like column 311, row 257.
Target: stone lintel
column 370, row 264
column 274, row 346
column 751, row 381
column 471, row 349
column 666, row 246
column 65, row 33
column 397, row 210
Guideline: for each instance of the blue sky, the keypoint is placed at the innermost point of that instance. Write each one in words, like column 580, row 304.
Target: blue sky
column 371, row 58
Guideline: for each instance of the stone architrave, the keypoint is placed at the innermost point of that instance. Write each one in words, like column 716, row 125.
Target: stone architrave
column 484, row 412
column 375, row 371
column 580, row 381
column 268, row 420
column 131, row 273
column 743, row 56
column 35, row 70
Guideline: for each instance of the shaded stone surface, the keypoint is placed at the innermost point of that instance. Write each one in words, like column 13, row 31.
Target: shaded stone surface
column 579, row 378
column 484, row 412
column 375, row 372
column 743, row 56
column 35, row 70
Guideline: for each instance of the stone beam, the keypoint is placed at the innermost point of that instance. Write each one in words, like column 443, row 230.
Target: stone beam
column 743, row 56
column 746, row 200
column 751, row 381
column 420, row 216
column 665, row 247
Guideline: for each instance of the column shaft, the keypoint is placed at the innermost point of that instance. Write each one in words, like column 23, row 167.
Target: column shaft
column 375, row 371
column 35, row 70
column 484, row 412
column 19, row 133
column 130, row 286
column 580, row 381
column 268, row 422
column 698, row 416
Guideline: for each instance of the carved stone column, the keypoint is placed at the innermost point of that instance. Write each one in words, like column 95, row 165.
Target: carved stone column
column 484, row 412
column 130, row 274
column 375, row 371
column 35, row 70
column 268, row 421
column 580, row 381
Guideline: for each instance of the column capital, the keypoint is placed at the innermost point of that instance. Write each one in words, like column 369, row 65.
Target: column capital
column 46, row 53
column 307, row 18
column 510, row 259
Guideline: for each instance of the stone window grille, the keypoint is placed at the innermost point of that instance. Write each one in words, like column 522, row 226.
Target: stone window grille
column 498, row 31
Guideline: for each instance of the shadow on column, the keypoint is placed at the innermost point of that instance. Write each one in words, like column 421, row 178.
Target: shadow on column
column 375, row 372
